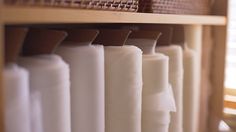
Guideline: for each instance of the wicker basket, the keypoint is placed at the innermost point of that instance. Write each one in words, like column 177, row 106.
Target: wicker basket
column 115, row 5
column 175, row 6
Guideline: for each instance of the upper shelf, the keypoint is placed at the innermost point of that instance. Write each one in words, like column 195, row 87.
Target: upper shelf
column 48, row 15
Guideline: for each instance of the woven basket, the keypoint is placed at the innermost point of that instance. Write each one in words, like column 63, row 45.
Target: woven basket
column 175, row 6
column 114, row 5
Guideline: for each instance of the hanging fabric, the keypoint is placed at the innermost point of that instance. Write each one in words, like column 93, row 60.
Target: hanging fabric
column 190, row 97
column 86, row 62
column 157, row 95
column 49, row 76
column 17, row 104
column 36, row 112
column 123, row 86
column 175, row 55
column 15, row 83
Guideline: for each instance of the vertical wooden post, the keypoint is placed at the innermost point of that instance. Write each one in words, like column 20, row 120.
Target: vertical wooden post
column 1, row 81
column 194, row 41
column 219, row 35
column 1, row 71
column 205, row 78
column 217, row 78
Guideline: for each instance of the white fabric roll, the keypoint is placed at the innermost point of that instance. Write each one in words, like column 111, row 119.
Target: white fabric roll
column 156, row 121
column 191, row 104
column 36, row 112
column 16, row 89
column 87, row 86
column 49, row 76
column 123, row 73
column 175, row 55
column 158, row 100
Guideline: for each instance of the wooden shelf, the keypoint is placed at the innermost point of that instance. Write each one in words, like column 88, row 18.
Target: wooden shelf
column 48, row 15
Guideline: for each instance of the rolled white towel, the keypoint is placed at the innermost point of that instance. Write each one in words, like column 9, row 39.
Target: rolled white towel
column 123, row 86
column 87, row 86
column 49, row 76
column 36, row 112
column 191, row 92
column 17, row 103
column 175, row 55
column 158, row 100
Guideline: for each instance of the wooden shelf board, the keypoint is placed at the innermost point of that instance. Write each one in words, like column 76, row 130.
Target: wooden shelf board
column 41, row 15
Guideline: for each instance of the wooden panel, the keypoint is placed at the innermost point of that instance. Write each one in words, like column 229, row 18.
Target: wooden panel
column 220, row 7
column 205, row 80
column 40, row 15
column 217, row 78
column 216, row 102
column 1, row 77
column 230, row 104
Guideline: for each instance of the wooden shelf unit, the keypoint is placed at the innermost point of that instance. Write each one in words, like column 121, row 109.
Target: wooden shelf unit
column 194, row 25
column 41, row 15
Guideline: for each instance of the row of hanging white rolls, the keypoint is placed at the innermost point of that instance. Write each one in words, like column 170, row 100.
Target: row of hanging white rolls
column 123, row 82
column 191, row 97
column 183, row 71
column 182, row 75
column 175, row 54
column 110, row 87
column 156, row 88
column 40, row 90
column 191, row 90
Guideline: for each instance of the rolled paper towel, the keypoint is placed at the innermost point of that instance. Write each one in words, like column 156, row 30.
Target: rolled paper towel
column 87, row 86
column 49, row 76
column 16, row 88
column 158, row 100
column 191, row 97
column 175, row 55
column 123, row 88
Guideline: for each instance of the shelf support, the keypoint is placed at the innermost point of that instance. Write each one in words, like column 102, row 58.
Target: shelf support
column 217, row 78
column 1, row 72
